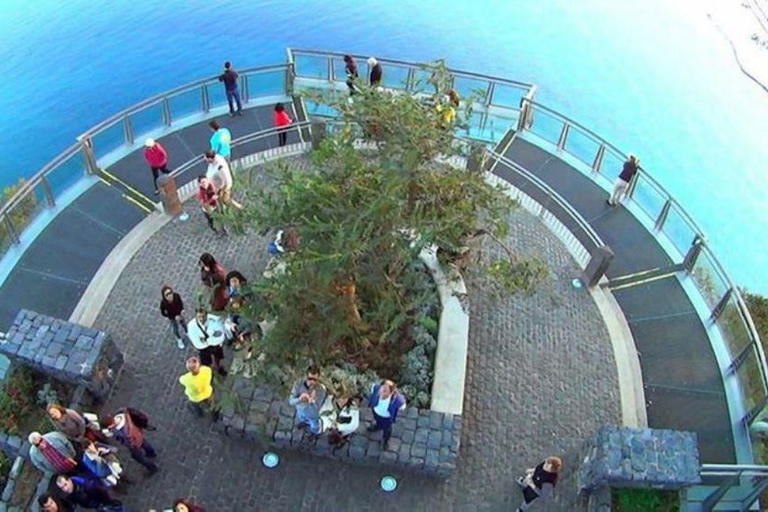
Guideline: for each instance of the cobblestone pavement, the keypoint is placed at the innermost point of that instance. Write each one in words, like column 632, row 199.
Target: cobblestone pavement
column 541, row 377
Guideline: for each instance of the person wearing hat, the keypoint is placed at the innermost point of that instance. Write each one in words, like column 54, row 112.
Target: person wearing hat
column 377, row 73
column 625, row 178
column 157, row 159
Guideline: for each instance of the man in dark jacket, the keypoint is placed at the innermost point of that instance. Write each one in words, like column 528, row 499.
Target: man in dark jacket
column 385, row 402
column 625, row 178
column 229, row 77
column 127, row 427
column 377, row 73
column 86, row 492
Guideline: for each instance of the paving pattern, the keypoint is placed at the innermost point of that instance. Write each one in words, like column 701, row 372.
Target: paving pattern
column 541, row 377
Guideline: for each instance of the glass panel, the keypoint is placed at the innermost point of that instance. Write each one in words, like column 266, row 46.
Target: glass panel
column 217, row 95
column 581, row 146
column 319, row 109
column 505, row 95
column 66, row 174
column 186, row 103
column 395, row 77
column 311, row 66
column 611, row 165
column 496, row 127
column 340, row 71
column 678, row 230
column 750, row 379
column 733, row 329
column 471, row 87
column 421, row 81
column 5, row 237
column 22, row 214
column 266, row 84
column 146, row 120
column 649, row 199
column 108, row 139
column 708, row 280
column 545, row 126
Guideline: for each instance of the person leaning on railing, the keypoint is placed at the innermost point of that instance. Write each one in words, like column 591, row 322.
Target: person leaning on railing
column 625, row 178
column 229, row 77
column 350, row 66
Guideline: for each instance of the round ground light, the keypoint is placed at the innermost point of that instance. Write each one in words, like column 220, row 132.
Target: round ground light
column 270, row 460
column 388, row 483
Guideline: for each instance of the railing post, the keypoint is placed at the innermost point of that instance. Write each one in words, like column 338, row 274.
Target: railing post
column 128, row 129
column 489, row 93
column 410, row 79
column 740, row 358
column 48, row 192
column 246, row 89
column 90, row 158
column 11, row 231
column 598, row 264
column 689, row 262
column 756, row 492
column 714, row 498
column 167, row 119
column 754, row 412
column 632, row 185
column 598, row 161
column 718, row 309
column 205, row 99
column 290, row 74
column 663, row 215
column 330, row 69
column 563, row 136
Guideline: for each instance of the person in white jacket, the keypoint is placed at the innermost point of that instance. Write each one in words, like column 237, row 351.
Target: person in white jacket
column 207, row 334
column 220, row 174
column 341, row 418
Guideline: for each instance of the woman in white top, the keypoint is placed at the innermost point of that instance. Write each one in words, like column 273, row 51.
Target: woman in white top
column 341, row 418
column 207, row 334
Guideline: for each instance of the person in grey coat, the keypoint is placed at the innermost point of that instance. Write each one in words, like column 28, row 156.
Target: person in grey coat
column 52, row 453
column 308, row 396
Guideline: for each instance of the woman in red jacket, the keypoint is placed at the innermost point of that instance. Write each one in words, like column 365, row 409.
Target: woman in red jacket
column 282, row 120
column 156, row 158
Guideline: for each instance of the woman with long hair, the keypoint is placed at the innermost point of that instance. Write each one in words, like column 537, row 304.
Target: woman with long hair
column 172, row 308
column 539, row 481
column 213, row 275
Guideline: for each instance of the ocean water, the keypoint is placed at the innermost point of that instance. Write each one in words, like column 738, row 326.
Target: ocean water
column 652, row 76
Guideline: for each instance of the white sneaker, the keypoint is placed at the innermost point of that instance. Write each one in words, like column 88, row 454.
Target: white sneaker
column 180, row 343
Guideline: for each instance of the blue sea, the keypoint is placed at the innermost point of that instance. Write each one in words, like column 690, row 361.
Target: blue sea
column 653, row 76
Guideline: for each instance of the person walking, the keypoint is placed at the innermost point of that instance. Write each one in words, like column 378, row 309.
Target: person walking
column 172, row 308
column 308, row 396
column 229, row 77
column 207, row 334
column 350, row 66
column 198, row 388
column 214, row 277
column 625, row 178
column 208, row 199
column 87, row 492
column 539, row 481
column 157, row 158
column 385, row 402
column 377, row 72
column 67, row 421
column 52, row 453
column 220, row 174
column 282, row 121
column 127, row 427
column 221, row 140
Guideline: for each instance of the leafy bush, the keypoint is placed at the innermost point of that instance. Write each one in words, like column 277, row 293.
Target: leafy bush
column 23, row 399
column 645, row 500
column 20, row 215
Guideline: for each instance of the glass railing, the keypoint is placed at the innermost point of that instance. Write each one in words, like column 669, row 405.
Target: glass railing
column 671, row 223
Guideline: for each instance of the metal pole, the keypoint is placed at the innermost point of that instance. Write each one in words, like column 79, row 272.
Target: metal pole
column 753, row 413
column 47, row 191
column 206, row 99
column 662, row 215
column 90, row 159
column 410, row 80
column 714, row 498
column 128, row 129
column 632, row 185
column 11, row 231
column 246, row 89
column 167, row 119
column 721, row 304
column 689, row 262
column 489, row 93
column 740, row 358
column 598, row 161
column 756, row 492
column 563, row 136
column 290, row 74
column 330, row 69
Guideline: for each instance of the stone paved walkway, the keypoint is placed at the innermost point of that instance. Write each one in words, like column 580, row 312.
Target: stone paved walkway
column 541, row 376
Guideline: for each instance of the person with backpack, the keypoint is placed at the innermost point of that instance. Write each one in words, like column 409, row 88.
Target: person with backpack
column 229, row 77
column 539, row 481
column 127, row 427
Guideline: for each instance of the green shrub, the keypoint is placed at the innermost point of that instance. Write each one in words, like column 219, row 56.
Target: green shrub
column 644, row 500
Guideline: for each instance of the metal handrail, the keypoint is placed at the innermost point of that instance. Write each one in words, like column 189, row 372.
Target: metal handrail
column 732, row 469
column 468, row 74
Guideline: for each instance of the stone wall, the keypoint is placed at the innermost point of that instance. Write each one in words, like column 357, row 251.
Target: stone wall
column 64, row 351
column 639, row 457
column 423, row 441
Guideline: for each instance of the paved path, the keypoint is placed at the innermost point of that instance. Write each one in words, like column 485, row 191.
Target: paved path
column 541, row 377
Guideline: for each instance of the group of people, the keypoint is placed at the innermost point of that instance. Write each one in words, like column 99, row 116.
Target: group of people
column 83, row 460
column 375, row 76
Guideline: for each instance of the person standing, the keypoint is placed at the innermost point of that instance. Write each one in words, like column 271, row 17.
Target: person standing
column 127, row 427
column 350, row 66
column 157, row 158
column 221, row 140
column 385, row 402
column 207, row 334
column 101, row 461
column 208, row 199
column 87, row 493
column 172, row 308
column 214, row 277
column 219, row 172
column 67, row 421
column 198, row 388
column 377, row 72
column 52, row 453
column 625, row 178
column 282, row 121
column 308, row 396
column 229, row 77
column 539, row 481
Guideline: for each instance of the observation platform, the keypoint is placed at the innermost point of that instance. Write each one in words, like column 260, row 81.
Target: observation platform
column 702, row 364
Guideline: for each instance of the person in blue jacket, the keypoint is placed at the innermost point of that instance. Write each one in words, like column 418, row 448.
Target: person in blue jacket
column 385, row 402
column 221, row 140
